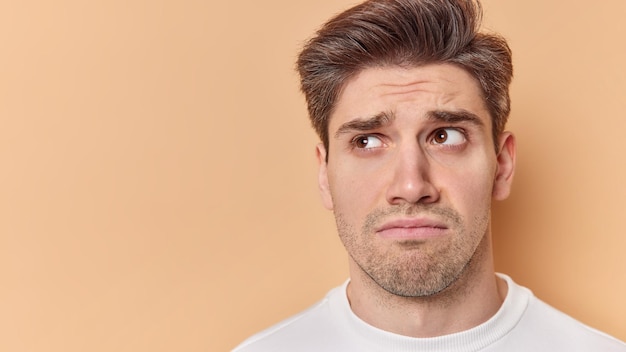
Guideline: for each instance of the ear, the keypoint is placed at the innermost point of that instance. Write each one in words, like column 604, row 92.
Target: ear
column 505, row 167
column 322, row 177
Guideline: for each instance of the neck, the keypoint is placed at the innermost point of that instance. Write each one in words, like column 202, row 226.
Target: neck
column 470, row 301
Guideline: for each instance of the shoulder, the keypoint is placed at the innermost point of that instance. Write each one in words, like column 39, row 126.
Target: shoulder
column 560, row 328
column 543, row 327
column 309, row 328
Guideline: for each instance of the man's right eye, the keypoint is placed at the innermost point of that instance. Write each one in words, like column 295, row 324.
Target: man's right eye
column 367, row 142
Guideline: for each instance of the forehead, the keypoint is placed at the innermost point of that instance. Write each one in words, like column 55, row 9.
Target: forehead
column 414, row 90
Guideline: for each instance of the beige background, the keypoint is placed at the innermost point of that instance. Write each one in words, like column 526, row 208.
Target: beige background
column 157, row 190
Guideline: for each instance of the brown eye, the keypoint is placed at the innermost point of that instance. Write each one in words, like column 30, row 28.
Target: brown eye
column 367, row 142
column 361, row 142
column 449, row 137
column 441, row 136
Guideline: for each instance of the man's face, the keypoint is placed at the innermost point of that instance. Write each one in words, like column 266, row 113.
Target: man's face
column 411, row 173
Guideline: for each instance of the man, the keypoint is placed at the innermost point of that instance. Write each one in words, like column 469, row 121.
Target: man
column 410, row 101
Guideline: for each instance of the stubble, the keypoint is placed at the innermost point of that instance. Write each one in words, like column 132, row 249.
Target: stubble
column 414, row 268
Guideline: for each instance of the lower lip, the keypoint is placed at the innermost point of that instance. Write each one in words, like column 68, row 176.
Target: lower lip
column 412, row 233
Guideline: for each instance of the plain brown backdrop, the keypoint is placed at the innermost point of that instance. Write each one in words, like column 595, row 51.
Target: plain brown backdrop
column 158, row 193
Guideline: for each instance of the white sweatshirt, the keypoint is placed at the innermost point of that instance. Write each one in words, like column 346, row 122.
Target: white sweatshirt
column 523, row 323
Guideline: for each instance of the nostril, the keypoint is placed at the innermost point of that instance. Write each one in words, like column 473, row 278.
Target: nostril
column 413, row 191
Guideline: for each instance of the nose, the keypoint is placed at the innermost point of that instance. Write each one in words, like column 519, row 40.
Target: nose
column 411, row 178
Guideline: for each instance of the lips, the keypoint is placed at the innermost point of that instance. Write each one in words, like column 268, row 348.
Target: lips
column 412, row 229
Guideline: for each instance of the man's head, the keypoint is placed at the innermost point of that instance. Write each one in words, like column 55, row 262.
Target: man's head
column 404, row 33
column 409, row 101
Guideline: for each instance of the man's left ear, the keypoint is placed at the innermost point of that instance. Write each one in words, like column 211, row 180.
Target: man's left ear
column 505, row 166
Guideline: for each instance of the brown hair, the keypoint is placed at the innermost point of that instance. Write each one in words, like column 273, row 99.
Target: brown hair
column 406, row 33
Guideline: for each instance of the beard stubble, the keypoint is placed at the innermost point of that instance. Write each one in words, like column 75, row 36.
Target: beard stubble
column 414, row 268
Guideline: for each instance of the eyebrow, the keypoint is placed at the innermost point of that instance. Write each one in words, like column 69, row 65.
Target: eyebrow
column 366, row 124
column 455, row 116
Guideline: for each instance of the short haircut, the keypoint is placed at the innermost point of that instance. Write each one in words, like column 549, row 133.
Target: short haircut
column 406, row 33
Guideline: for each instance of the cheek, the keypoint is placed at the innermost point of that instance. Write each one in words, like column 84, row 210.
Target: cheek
column 470, row 189
column 354, row 189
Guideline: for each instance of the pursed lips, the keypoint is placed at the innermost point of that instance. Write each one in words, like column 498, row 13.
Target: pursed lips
column 412, row 228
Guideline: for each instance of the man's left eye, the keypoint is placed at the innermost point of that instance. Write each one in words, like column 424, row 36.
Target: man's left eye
column 448, row 136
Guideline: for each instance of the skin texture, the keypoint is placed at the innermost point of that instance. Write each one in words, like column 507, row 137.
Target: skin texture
column 411, row 174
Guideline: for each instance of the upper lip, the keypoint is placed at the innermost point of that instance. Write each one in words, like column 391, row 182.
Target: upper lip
column 411, row 223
